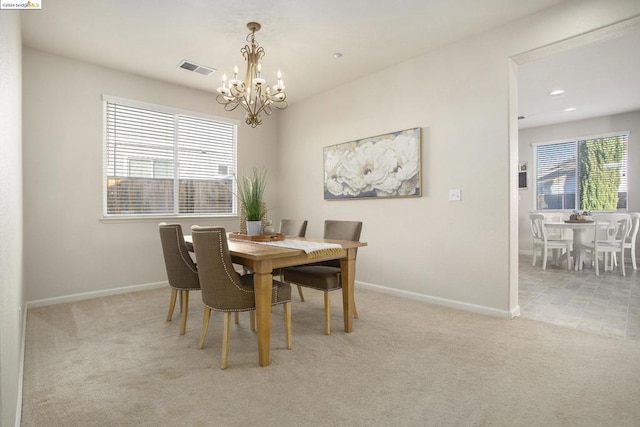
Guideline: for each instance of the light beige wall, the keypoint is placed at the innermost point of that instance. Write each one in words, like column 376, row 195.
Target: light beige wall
column 11, row 241
column 601, row 125
column 455, row 253
column 70, row 251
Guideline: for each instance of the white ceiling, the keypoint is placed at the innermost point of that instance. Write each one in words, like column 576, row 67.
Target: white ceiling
column 151, row 37
column 600, row 78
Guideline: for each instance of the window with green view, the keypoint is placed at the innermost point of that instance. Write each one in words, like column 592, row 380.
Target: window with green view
column 584, row 174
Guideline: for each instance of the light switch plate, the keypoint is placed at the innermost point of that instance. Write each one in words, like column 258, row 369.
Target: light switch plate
column 454, row 195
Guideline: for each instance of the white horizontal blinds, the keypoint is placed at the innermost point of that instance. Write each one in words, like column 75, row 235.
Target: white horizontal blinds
column 556, row 183
column 139, row 151
column 205, row 165
column 166, row 162
column 587, row 174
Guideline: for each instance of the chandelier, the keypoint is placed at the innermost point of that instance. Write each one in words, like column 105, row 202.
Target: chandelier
column 253, row 94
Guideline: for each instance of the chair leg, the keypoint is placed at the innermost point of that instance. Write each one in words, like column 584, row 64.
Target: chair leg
column 225, row 340
column 237, row 315
column 252, row 320
column 180, row 293
column 206, row 316
column 544, row 258
column 172, row 303
column 327, row 313
column 633, row 257
column 621, row 261
column 185, row 309
column 300, row 293
column 287, row 323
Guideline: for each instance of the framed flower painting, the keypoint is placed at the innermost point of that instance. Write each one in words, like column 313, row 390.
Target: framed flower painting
column 381, row 166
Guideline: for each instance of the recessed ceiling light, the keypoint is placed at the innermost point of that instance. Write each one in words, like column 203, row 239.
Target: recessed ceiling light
column 570, row 109
column 337, row 55
column 556, row 92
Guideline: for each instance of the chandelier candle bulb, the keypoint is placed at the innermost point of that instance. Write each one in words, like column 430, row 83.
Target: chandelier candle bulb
column 234, row 81
column 258, row 80
column 223, row 89
column 279, row 86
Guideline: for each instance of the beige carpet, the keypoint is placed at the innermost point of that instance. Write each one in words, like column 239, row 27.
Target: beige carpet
column 115, row 362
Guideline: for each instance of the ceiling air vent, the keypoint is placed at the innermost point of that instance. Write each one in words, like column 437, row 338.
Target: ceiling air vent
column 200, row 69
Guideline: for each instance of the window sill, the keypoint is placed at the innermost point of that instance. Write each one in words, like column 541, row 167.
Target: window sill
column 163, row 218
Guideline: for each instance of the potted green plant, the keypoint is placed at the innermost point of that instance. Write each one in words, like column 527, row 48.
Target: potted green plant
column 251, row 196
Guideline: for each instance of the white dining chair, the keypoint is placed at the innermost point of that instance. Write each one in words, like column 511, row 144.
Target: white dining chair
column 630, row 242
column 609, row 237
column 557, row 233
column 542, row 241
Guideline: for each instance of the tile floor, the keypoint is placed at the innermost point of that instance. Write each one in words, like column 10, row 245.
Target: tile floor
column 608, row 304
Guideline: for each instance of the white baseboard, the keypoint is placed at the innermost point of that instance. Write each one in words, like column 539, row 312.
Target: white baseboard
column 515, row 311
column 383, row 289
column 95, row 294
column 443, row 301
column 23, row 342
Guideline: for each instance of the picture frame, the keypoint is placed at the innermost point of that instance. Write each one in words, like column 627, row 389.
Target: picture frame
column 522, row 175
column 382, row 166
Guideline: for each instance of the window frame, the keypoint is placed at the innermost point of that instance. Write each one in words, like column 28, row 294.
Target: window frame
column 107, row 217
column 577, row 140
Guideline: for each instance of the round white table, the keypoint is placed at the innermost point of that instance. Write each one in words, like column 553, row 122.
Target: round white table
column 580, row 234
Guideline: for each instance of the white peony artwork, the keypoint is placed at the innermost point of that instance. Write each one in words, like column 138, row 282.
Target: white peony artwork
column 378, row 167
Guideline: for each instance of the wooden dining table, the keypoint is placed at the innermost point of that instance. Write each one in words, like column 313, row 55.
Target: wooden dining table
column 263, row 259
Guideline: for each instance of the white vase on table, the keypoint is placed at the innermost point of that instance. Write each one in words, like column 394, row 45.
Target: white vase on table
column 253, row 228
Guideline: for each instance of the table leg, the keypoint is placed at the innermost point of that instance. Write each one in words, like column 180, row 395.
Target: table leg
column 348, row 273
column 262, row 283
column 578, row 252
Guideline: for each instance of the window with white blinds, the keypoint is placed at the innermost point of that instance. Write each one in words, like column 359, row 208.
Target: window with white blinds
column 160, row 161
column 584, row 174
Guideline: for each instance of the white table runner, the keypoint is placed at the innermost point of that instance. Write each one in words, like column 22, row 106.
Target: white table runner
column 313, row 249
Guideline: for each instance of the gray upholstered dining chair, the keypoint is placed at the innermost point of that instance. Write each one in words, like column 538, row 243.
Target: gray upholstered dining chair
column 223, row 289
column 182, row 272
column 293, row 227
column 296, row 228
column 325, row 276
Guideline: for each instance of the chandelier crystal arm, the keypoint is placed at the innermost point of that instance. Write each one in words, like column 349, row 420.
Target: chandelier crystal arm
column 253, row 93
